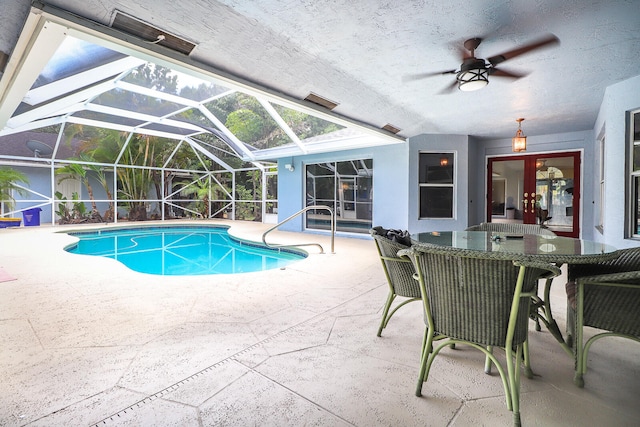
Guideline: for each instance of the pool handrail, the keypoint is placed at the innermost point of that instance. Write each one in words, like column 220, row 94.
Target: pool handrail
column 300, row 212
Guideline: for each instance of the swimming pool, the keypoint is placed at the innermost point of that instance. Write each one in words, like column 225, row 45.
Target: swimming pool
column 181, row 250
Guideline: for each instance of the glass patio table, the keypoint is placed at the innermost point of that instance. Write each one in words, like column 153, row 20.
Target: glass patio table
column 533, row 247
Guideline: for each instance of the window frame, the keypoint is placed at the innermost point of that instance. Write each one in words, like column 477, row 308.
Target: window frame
column 452, row 155
column 633, row 182
column 601, row 184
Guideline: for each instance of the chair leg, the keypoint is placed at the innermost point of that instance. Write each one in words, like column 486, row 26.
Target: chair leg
column 571, row 326
column 578, row 344
column 528, row 372
column 424, row 341
column 385, row 313
column 487, row 361
column 513, row 372
column 534, row 309
column 427, row 342
column 580, row 362
column 525, row 356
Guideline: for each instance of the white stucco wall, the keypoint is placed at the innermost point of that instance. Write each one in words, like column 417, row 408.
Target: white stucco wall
column 476, row 169
column 458, row 144
column 390, row 188
column 618, row 100
column 395, row 183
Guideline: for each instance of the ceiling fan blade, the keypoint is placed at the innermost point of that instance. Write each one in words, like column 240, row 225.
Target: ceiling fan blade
column 449, row 88
column 504, row 73
column 547, row 40
column 419, row 76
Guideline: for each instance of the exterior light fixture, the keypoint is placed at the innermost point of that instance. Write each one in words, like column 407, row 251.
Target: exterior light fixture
column 473, row 75
column 519, row 142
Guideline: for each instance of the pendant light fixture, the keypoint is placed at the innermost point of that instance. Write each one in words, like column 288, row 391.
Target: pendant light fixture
column 519, row 142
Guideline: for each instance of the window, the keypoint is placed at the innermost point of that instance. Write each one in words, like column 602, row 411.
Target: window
column 347, row 188
column 634, row 138
column 437, row 185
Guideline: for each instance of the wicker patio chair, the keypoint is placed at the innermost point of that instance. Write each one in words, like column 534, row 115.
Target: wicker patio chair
column 479, row 299
column 519, row 228
column 604, row 296
column 536, row 302
column 399, row 273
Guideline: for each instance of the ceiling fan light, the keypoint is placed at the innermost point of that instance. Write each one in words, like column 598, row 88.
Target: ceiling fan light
column 473, row 79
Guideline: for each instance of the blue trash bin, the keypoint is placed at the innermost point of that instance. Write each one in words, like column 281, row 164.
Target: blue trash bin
column 31, row 217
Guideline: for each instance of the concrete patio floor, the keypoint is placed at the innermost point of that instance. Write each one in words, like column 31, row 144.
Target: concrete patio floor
column 84, row 341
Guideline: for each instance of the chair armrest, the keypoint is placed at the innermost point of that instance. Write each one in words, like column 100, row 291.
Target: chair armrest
column 553, row 270
column 613, row 279
column 396, row 259
column 406, row 253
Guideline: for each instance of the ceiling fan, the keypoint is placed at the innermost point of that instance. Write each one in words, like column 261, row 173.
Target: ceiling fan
column 474, row 73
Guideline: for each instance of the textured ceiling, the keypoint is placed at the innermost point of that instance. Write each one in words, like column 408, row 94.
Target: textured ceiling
column 358, row 52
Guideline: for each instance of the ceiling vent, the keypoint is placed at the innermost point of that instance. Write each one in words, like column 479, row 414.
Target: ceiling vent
column 323, row 102
column 150, row 34
column 391, row 128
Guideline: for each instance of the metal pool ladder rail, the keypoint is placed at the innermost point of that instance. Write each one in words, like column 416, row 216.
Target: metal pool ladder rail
column 300, row 212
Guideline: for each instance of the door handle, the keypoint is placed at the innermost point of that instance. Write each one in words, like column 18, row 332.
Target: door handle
column 525, row 201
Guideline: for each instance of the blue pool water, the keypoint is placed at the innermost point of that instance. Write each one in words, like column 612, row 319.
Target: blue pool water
column 181, row 250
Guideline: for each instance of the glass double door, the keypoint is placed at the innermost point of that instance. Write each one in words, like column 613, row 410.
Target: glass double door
column 536, row 189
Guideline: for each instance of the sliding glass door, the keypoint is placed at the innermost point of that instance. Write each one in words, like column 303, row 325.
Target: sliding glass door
column 347, row 188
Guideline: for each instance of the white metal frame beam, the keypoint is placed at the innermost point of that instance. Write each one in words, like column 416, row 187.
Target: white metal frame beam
column 90, row 77
column 33, row 51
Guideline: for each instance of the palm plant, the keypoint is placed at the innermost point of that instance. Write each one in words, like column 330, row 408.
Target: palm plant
column 134, row 183
column 79, row 172
column 9, row 179
column 200, row 188
column 101, row 176
column 109, row 146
